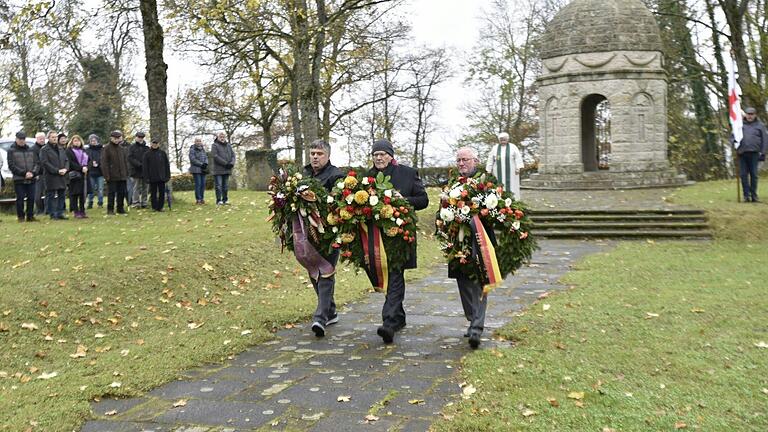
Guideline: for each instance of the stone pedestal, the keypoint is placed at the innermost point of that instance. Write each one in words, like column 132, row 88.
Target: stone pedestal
column 261, row 164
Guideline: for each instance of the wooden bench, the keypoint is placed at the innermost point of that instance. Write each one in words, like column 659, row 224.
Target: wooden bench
column 8, row 205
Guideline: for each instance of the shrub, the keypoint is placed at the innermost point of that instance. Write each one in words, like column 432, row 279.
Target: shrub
column 186, row 182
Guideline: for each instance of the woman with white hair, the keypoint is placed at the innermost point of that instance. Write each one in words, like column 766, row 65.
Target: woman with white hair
column 505, row 162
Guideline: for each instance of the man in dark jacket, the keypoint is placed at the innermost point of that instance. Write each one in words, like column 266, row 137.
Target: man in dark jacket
column 751, row 150
column 321, row 169
column 135, row 169
column 95, row 177
column 55, row 167
column 223, row 162
column 114, row 167
column 25, row 165
column 473, row 301
column 39, row 181
column 157, row 171
column 407, row 182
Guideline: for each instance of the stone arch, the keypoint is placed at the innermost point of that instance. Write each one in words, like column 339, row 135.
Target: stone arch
column 642, row 116
column 595, row 132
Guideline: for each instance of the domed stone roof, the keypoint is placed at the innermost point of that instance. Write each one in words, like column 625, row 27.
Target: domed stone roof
column 601, row 25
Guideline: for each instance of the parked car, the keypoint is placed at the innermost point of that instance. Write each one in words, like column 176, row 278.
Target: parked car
column 5, row 145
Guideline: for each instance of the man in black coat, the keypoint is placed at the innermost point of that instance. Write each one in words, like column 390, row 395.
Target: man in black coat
column 25, row 165
column 53, row 158
column 39, row 180
column 157, row 171
column 321, row 168
column 407, row 182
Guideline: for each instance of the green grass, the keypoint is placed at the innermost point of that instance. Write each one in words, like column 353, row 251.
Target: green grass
column 657, row 336
column 149, row 295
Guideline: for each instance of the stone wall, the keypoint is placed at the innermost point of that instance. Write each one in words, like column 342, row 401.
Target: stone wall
column 260, row 166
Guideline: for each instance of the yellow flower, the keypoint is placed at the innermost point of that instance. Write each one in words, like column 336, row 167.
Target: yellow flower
column 347, row 238
column 345, row 215
column 453, row 201
column 350, row 182
column 392, row 231
column 361, row 197
column 331, row 219
column 387, row 211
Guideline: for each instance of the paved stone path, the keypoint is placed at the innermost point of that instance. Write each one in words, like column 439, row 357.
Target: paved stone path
column 295, row 381
column 630, row 199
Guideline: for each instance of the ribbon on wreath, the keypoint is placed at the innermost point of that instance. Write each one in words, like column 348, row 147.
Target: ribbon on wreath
column 375, row 256
column 307, row 255
column 485, row 254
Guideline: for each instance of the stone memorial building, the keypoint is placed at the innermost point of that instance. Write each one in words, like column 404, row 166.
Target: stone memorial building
column 603, row 100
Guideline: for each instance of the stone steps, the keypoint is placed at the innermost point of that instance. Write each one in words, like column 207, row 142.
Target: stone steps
column 639, row 223
column 604, row 180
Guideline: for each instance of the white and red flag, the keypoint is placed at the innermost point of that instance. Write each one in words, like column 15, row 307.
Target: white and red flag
column 734, row 106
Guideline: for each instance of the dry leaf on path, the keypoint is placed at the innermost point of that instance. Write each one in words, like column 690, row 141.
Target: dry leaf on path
column 180, row 403
column 416, row 402
column 110, row 413
column 371, row 418
column 343, row 398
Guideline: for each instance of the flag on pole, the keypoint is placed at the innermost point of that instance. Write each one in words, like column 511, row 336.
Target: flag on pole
column 734, row 106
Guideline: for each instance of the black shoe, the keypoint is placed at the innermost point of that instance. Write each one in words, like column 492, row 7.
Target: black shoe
column 110, row 212
column 334, row 319
column 32, row 219
column 474, row 340
column 747, row 199
column 122, row 212
column 318, row 329
column 755, row 200
column 386, row 333
column 62, row 217
column 90, row 205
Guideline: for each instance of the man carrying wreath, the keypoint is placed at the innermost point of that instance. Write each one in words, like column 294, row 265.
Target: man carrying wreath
column 321, row 169
column 473, row 300
column 406, row 181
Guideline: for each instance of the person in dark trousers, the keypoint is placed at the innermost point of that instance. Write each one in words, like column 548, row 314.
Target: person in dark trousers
column 751, row 151
column 135, row 169
column 78, row 176
column 39, row 181
column 157, row 171
column 55, row 166
column 473, row 301
column 114, row 167
column 25, row 166
column 198, row 167
column 126, row 146
column 321, row 169
column 223, row 162
column 407, row 182
column 95, row 178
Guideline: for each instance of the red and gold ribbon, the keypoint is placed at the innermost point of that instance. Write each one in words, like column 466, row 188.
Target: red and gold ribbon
column 375, row 256
column 487, row 253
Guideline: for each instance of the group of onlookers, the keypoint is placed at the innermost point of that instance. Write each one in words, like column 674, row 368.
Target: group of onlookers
column 135, row 174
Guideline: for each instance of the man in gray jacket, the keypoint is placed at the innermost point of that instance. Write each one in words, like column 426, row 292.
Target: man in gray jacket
column 25, row 166
column 751, row 150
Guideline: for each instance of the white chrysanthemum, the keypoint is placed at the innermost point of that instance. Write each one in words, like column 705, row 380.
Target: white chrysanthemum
column 508, row 202
column 447, row 215
column 455, row 193
column 465, row 210
column 388, row 193
column 516, row 224
column 350, row 198
column 399, row 221
column 491, row 201
column 365, row 181
column 330, row 199
column 373, row 200
column 335, row 229
column 340, row 185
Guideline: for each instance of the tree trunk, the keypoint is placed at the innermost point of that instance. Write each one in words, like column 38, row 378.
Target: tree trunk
column 303, row 77
column 156, row 75
column 298, row 141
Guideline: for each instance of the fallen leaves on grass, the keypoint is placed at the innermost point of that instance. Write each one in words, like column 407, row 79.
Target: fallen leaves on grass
column 207, row 267
column 761, row 344
column 545, row 307
column 649, row 315
column 680, row 425
column 29, row 326
column 47, row 375
column 116, row 384
column 194, row 325
column 528, row 412
column 467, row 390
column 553, row 402
column 80, row 352
column 576, row 395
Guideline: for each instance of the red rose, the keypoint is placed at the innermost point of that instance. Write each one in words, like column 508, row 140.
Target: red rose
column 367, row 211
column 352, row 173
column 480, row 186
column 346, row 192
column 387, row 200
column 371, row 180
column 444, row 203
column 518, row 214
column 335, row 245
column 462, row 180
column 350, row 209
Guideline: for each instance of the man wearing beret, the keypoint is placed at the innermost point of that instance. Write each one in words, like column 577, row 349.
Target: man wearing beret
column 407, row 182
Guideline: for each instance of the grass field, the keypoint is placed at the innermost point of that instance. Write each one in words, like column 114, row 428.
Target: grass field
column 652, row 336
column 115, row 306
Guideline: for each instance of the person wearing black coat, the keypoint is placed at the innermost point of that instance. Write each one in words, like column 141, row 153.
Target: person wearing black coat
column 39, row 181
column 136, row 171
column 55, row 165
column 321, row 169
column 157, row 171
column 95, row 176
column 24, row 165
column 407, row 182
column 78, row 176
